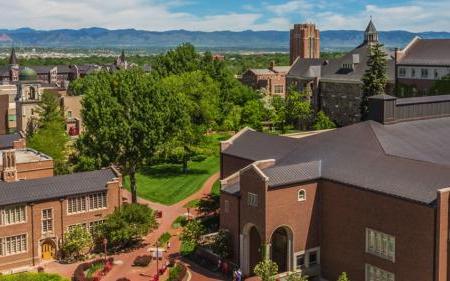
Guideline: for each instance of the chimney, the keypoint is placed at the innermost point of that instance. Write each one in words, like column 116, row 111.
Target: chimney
column 9, row 170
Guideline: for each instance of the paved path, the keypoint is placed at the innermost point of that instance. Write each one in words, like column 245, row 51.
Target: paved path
column 170, row 213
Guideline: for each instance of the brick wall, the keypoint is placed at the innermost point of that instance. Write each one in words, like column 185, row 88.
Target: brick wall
column 230, row 220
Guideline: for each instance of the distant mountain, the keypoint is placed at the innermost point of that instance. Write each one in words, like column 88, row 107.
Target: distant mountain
column 246, row 40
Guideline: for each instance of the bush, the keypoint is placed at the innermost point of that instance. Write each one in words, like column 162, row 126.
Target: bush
column 187, row 248
column 164, row 238
column 127, row 224
column 142, row 260
column 266, row 270
column 323, row 122
column 296, row 277
column 77, row 242
column 32, row 277
column 177, row 273
column 222, row 244
column 180, row 221
column 343, row 277
column 192, row 231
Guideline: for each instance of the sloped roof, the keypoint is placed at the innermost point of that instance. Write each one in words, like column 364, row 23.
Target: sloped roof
column 6, row 141
column 427, row 52
column 261, row 71
column 54, row 187
column 13, row 57
column 371, row 27
column 410, row 160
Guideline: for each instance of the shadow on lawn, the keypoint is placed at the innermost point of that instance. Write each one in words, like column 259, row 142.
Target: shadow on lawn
column 170, row 170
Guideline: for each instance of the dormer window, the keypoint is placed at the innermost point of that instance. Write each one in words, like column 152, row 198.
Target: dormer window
column 301, row 195
column 347, row 66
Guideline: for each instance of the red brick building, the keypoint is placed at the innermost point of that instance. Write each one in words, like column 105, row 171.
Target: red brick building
column 304, row 42
column 34, row 214
column 370, row 199
column 270, row 81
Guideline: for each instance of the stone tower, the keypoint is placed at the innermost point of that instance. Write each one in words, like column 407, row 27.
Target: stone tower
column 13, row 66
column 371, row 34
column 9, row 171
column 304, row 42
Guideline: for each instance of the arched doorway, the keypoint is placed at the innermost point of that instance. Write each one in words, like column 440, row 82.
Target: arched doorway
column 251, row 248
column 255, row 249
column 48, row 250
column 281, row 252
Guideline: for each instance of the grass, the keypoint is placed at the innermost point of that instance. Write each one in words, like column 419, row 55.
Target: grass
column 94, row 268
column 192, row 204
column 32, row 277
column 164, row 238
column 216, row 188
column 180, row 221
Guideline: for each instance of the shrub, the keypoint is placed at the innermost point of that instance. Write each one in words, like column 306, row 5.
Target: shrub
column 77, row 242
column 142, row 260
column 192, row 231
column 180, row 221
column 266, row 270
column 222, row 244
column 296, row 277
column 127, row 224
column 343, row 277
column 32, row 277
column 177, row 273
column 187, row 247
column 164, row 238
column 323, row 122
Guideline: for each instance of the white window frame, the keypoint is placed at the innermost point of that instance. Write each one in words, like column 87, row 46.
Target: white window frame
column 308, row 252
column 46, row 220
column 401, row 72
column 383, row 275
column 82, row 198
column 101, row 199
column 252, row 199
column 383, row 244
column 3, row 248
column 3, row 215
column 301, row 253
column 424, row 73
column 301, row 195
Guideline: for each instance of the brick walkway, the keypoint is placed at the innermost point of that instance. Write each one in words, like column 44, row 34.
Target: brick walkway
column 170, row 213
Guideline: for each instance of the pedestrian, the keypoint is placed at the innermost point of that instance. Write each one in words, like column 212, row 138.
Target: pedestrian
column 219, row 265
column 239, row 275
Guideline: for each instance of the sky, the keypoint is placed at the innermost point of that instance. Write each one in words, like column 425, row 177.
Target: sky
column 234, row 15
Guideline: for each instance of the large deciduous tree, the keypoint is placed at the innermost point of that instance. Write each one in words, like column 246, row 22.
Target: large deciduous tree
column 126, row 118
column 298, row 109
column 375, row 77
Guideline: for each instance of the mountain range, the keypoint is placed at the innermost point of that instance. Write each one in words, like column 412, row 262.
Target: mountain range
column 243, row 40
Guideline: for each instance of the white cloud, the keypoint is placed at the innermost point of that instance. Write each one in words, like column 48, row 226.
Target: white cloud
column 158, row 15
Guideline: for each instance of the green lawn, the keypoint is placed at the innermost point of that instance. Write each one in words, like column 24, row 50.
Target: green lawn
column 216, row 188
column 32, row 277
column 167, row 184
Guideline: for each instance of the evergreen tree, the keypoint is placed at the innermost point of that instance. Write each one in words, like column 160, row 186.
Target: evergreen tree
column 375, row 77
column 50, row 136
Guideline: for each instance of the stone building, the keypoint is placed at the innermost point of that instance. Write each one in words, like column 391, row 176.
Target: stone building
column 421, row 63
column 370, row 199
column 71, row 107
column 270, row 81
column 304, row 42
column 335, row 85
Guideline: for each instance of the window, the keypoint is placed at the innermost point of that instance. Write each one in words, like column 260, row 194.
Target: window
column 11, row 117
column 313, row 259
column 380, row 244
column 69, row 114
column 252, row 199
column 402, row 72
column 76, row 205
column 12, row 215
column 374, row 273
column 13, row 245
column 424, row 73
column 301, row 196
column 436, row 74
column 413, row 72
column 47, row 220
column 347, row 66
column 70, row 227
column 94, row 224
column 227, row 206
column 97, row 201
column 300, row 261
column 279, row 89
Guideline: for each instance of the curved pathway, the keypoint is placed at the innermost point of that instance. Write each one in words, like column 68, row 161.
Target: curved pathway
column 169, row 214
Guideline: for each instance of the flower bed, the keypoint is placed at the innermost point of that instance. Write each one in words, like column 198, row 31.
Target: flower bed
column 95, row 271
column 177, row 273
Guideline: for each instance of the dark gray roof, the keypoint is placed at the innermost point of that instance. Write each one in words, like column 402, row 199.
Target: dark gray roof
column 426, row 99
column 333, row 69
column 409, row 160
column 257, row 146
column 427, row 52
column 13, row 57
column 54, row 187
column 371, row 28
column 6, row 141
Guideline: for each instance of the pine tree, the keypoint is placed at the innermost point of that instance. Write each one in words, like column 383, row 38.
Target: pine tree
column 375, row 77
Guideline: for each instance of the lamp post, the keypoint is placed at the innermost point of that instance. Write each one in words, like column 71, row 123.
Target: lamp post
column 105, row 244
column 157, row 260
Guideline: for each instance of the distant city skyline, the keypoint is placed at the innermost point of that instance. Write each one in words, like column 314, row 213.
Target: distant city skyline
column 234, row 15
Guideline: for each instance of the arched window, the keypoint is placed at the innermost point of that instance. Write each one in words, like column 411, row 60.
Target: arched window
column 301, row 195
